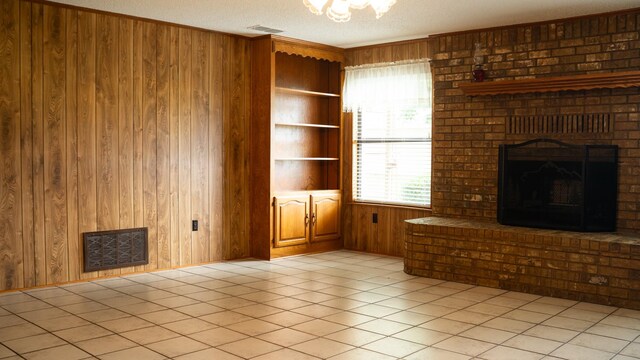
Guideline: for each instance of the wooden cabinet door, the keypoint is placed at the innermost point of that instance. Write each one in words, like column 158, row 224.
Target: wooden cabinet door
column 292, row 218
column 325, row 217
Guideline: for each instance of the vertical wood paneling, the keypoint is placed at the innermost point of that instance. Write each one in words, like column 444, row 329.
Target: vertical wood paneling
column 243, row 67
column 229, row 247
column 263, row 72
column 138, row 192
column 347, row 216
column 363, row 230
column 26, row 147
column 38, row 143
column 382, row 231
column 107, row 123
column 149, row 140
column 216, row 150
column 11, row 272
column 184, row 146
column 71, row 111
column 55, row 177
column 162, row 167
column 235, row 128
column 87, row 172
column 125, row 126
column 393, row 232
column 405, row 50
column 174, row 153
column 385, row 237
column 199, row 144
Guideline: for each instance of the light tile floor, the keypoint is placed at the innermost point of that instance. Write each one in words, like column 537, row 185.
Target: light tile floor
column 337, row 305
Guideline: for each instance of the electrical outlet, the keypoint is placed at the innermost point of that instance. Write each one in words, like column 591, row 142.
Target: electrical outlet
column 375, row 218
column 194, row 225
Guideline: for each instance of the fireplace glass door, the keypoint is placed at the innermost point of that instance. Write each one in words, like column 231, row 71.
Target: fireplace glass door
column 549, row 184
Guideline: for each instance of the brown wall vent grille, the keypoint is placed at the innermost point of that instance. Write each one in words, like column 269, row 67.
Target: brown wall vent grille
column 115, row 249
column 559, row 124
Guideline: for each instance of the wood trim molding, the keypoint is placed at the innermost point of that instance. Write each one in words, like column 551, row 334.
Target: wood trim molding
column 307, row 49
column 613, row 80
column 422, row 40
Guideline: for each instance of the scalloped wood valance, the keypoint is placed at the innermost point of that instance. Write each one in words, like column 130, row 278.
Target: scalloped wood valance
column 306, row 49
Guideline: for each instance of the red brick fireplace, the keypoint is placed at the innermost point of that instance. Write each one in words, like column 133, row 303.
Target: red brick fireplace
column 463, row 242
column 468, row 130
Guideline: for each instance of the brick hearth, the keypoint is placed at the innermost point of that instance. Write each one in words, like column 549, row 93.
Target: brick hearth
column 601, row 268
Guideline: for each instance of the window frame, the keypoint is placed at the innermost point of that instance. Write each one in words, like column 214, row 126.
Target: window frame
column 355, row 146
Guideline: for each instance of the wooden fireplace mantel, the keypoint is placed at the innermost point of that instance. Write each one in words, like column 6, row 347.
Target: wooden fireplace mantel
column 612, row 80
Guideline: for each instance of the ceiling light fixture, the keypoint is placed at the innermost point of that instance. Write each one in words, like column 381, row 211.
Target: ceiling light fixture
column 339, row 10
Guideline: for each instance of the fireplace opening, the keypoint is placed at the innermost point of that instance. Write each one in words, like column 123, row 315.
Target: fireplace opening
column 549, row 184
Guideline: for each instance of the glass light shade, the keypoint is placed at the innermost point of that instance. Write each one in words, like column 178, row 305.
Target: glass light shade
column 339, row 11
column 381, row 6
column 315, row 6
column 359, row 4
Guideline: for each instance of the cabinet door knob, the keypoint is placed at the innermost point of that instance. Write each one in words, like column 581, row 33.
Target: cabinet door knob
column 313, row 219
column 306, row 219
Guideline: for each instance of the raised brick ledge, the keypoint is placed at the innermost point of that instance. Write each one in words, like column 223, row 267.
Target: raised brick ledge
column 602, row 268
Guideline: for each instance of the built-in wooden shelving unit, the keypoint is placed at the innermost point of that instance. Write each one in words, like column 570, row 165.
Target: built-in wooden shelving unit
column 554, row 84
column 296, row 154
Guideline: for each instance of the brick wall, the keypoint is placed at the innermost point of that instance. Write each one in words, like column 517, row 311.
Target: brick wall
column 467, row 131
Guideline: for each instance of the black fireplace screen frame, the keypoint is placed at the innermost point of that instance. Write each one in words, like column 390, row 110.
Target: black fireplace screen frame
column 575, row 189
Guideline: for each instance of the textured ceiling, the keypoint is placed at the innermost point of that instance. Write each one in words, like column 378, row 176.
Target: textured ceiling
column 408, row 19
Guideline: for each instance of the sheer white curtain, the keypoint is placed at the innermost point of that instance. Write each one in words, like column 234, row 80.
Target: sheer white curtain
column 391, row 105
column 388, row 85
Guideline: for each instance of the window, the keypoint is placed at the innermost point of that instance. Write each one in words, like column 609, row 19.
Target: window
column 392, row 132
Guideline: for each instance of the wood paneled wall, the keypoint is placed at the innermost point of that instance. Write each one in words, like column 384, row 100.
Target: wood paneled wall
column 398, row 51
column 359, row 231
column 110, row 122
column 386, row 236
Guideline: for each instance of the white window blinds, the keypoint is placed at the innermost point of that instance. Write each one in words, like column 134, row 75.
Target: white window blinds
column 392, row 132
